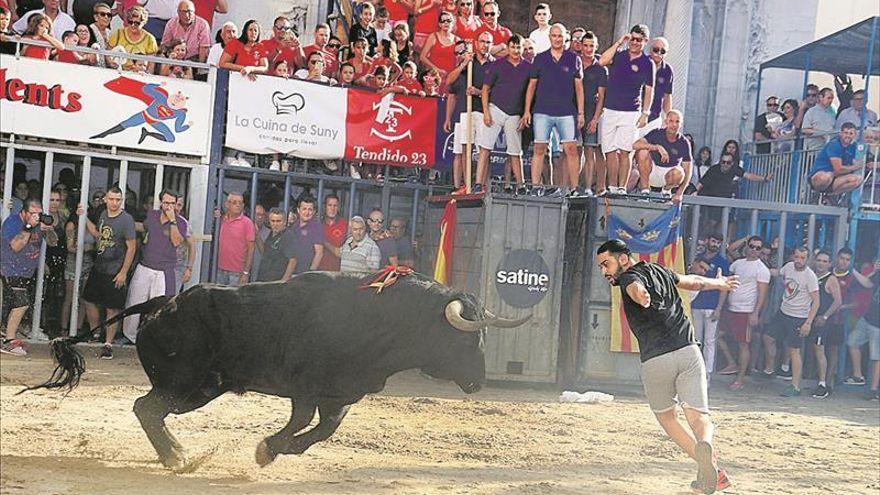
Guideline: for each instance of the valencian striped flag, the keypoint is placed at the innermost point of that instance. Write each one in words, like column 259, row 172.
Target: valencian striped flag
column 660, row 242
column 443, row 264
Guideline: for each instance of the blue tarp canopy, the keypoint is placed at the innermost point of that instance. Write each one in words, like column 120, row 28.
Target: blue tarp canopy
column 844, row 52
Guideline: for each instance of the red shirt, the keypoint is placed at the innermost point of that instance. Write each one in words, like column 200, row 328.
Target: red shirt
column 396, row 10
column 500, row 34
column 443, row 56
column 411, row 85
column 466, row 28
column 331, row 63
column 334, row 234
column 271, row 47
column 241, row 55
column 428, row 22
column 292, row 58
column 32, row 51
column 67, row 56
column 205, row 9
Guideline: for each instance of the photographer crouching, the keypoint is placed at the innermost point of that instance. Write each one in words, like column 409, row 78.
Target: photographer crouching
column 19, row 256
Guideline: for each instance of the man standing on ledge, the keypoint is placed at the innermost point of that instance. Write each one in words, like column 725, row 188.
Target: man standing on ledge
column 672, row 365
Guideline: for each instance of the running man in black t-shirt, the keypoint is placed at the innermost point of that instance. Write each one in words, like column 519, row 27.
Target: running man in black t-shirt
column 672, row 365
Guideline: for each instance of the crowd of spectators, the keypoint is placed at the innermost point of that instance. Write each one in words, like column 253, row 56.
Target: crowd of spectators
column 598, row 118
column 130, row 253
column 784, row 316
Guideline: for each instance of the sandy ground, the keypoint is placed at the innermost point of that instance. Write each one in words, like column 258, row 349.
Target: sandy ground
column 424, row 437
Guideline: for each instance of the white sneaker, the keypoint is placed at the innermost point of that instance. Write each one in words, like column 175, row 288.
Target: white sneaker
column 230, row 161
column 241, row 162
column 14, row 347
column 286, row 165
column 331, row 165
column 353, row 172
column 645, row 192
column 275, row 165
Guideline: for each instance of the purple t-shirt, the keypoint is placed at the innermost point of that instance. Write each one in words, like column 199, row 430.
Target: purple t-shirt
column 305, row 237
column 24, row 262
column 159, row 253
column 595, row 77
column 508, row 83
column 679, row 150
column 626, row 78
column 662, row 87
column 554, row 94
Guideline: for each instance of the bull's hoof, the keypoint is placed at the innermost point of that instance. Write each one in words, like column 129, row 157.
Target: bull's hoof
column 196, row 462
column 263, row 455
column 173, row 461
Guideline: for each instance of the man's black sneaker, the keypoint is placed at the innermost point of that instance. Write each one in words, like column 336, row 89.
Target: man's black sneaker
column 106, row 352
column 784, row 374
column 872, row 395
column 854, row 380
column 820, row 392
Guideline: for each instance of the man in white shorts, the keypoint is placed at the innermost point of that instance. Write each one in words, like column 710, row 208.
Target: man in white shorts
column 661, row 103
column 456, row 107
column 630, row 72
column 503, row 97
column 664, row 157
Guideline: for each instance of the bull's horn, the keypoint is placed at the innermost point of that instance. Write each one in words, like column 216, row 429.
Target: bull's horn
column 454, row 317
column 497, row 321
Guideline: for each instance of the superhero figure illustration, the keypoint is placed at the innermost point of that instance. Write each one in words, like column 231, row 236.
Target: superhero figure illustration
column 160, row 107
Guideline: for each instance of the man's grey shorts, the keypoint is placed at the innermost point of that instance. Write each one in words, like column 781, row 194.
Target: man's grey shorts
column 676, row 377
column 863, row 333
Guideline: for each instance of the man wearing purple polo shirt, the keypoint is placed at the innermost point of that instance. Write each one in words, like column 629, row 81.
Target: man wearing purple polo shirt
column 630, row 72
column 154, row 275
column 662, row 101
column 556, row 90
column 595, row 83
column 664, row 157
column 504, row 90
column 308, row 237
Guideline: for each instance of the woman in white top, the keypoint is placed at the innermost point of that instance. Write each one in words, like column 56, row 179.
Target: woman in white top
column 227, row 32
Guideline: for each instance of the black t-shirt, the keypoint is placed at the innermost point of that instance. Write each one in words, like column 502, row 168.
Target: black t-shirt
column 459, row 89
column 277, row 251
column 662, row 327
column 358, row 31
column 721, row 184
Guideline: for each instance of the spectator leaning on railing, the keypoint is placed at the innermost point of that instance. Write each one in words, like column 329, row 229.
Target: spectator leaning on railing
column 39, row 28
column 193, row 30
column 819, row 121
column 134, row 38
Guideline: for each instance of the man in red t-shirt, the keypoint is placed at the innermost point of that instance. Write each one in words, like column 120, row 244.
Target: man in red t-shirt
column 500, row 34
column 322, row 36
column 466, row 23
column 272, row 46
column 335, row 231
column 206, row 8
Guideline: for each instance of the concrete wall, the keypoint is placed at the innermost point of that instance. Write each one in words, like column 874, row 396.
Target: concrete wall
column 304, row 14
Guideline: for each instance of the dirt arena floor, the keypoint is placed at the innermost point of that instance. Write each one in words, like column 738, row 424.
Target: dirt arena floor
column 424, row 437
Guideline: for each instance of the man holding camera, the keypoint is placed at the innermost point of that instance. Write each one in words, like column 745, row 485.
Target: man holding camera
column 22, row 235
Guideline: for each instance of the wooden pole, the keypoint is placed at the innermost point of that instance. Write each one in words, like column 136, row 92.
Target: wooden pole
column 469, row 129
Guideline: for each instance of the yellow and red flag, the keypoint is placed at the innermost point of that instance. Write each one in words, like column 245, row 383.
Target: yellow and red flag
column 443, row 264
column 658, row 242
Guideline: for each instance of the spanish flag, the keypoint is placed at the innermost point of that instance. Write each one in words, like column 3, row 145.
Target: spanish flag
column 443, row 265
column 658, row 242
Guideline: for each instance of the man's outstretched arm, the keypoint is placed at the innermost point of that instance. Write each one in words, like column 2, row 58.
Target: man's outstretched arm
column 696, row 282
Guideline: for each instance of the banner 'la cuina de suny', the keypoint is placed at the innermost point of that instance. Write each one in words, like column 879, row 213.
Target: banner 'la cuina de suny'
column 308, row 120
column 103, row 106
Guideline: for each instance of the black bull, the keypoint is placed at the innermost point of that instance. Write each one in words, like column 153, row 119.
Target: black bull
column 320, row 339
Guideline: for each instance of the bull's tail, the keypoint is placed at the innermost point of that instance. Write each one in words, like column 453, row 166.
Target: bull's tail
column 70, row 364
